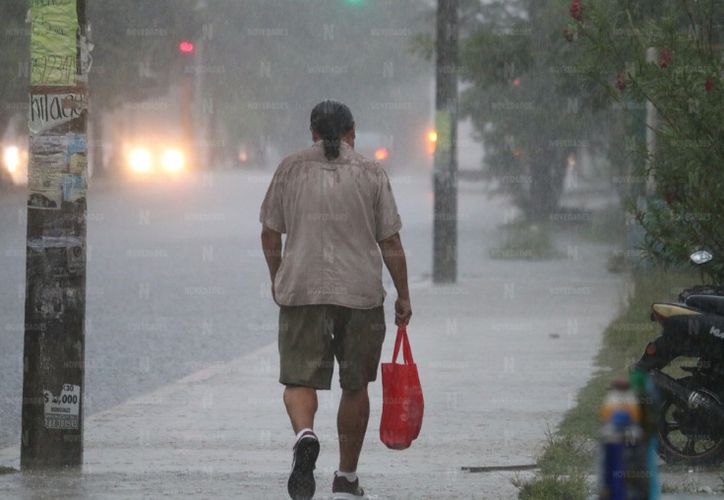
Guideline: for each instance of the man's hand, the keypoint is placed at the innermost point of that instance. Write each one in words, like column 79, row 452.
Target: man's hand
column 403, row 311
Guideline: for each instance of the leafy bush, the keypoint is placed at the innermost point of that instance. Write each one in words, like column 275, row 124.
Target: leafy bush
column 665, row 54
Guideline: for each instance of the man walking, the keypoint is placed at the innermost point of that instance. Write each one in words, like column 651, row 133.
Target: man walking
column 341, row 222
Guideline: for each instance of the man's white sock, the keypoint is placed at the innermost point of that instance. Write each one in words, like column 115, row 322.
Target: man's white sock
column 299, row 434
column 349, row 476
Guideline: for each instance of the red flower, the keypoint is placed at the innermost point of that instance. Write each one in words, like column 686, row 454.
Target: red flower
column 621, row 81
column 577, row 10
column 709, row 84
column 671, row 197
column 665, row 58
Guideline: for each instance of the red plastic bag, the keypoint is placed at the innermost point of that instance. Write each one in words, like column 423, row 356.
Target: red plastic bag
column 402, row 404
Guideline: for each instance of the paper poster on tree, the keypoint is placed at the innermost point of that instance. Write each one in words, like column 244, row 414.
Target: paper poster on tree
column 53, row 47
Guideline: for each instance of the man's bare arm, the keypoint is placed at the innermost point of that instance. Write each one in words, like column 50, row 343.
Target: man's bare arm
column 271, row 244
column 394, row 257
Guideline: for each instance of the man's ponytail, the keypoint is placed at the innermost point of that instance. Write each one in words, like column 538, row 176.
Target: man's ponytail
column 331, row 120
column 331, row 147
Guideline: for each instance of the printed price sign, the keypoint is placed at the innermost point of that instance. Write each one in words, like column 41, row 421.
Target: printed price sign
column 62, row 411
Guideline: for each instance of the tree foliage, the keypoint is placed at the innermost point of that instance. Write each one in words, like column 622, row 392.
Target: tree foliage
column 681, row 78
column 524, row 101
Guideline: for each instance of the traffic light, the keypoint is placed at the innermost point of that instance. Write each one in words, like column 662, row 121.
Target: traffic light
column 431, row 140
column 186, row 47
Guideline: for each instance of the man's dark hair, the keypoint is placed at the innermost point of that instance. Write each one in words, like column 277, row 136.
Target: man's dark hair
column 331, row 120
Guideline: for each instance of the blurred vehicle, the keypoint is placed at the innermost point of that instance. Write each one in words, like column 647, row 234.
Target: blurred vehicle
column 14, row 148
column 243, row 156
column 248, row 156
column 145, row 158
column 15, row 162
column 374, row 145
column 152, row 139
column 413, row 148
column 255, row 152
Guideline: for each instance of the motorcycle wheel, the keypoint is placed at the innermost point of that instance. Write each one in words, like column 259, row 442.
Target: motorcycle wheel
column 684, row 437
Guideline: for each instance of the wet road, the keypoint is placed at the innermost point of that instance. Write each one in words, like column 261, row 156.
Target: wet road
column 176, row 281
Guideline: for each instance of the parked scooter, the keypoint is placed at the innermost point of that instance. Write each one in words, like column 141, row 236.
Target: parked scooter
column 691, row 416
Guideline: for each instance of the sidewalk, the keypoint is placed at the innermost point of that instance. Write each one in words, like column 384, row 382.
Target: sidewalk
column 501, row 356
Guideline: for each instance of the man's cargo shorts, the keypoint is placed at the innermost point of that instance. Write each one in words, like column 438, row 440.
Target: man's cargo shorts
column 311, row 336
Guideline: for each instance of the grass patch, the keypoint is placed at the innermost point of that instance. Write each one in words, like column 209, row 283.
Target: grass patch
column 554, row 487
column 526, row 241
column 563, row 454
column 570, row 452
column 606, row 225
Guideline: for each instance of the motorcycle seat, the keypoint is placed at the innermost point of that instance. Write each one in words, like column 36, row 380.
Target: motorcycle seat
column 713, row 304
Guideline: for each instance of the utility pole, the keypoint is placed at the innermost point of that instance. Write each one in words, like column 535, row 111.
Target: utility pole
column 53, row 362
column 444, row 266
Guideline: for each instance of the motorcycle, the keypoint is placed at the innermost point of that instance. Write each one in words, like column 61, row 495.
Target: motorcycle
column 691, row 412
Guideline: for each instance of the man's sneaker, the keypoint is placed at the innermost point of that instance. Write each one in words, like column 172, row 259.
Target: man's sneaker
column 301, row 484
column 342, row 489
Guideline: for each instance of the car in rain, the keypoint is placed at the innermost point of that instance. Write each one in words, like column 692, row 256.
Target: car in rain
column 14, row 148
column 374, row 145
column 148, row 158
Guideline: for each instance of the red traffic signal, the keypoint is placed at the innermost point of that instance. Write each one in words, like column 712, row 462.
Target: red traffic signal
column 186, row 47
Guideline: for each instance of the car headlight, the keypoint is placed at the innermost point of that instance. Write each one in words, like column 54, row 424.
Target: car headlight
column 11, row 158
column 139, row 159
column 173, row 160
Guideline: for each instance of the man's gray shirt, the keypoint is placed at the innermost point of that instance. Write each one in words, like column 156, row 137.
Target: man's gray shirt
column 334, row 213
